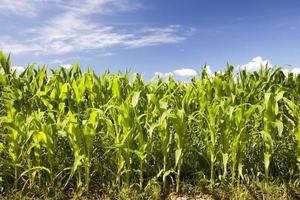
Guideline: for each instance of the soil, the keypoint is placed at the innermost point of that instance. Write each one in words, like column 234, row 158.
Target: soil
column 175, row 196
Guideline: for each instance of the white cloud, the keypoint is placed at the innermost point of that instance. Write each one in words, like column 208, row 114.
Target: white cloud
column 158, row 74
column 67, row 66
column 70, row 32
column 155, row 36
column 163, row 75
column 74, row 29
column 178, row 73
column 106, row 54
column 209, row 71
column 18, row 69
column 10, row 45
column 295, row 71
column 18, row 7
column 28, row 8
column 168, row 74
column 256, row 64
column 31, row 8
column 185, row 72
column 100, row 6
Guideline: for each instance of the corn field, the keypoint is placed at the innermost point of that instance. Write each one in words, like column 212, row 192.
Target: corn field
column 65, row 130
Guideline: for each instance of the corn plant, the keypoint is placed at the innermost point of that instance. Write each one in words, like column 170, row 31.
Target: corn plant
column 69, row 131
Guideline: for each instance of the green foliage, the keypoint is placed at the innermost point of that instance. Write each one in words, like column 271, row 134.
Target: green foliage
column 73, row 131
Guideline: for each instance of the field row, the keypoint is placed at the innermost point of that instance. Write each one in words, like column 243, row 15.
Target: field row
column 75, row 131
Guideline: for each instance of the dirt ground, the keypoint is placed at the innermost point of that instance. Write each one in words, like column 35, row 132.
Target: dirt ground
column 175, row 196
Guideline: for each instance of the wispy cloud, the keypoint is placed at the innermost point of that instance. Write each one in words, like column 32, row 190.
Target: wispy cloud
column 8, row 44
column 27, row 8
column 75, row 30
column 106, row 54
column 31, row 8
column 18, row 7
column 100, row 6
column 70, row 32
column 155, row 36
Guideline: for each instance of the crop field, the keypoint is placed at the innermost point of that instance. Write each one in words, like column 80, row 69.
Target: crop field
column 65, row 133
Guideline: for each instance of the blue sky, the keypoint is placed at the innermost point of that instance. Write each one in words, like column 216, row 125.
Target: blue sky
column 167, row 36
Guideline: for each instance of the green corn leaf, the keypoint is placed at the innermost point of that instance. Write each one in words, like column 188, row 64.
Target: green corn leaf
column 1, row 147
column 178, row 154
column 279, row 126
column 135, row 99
